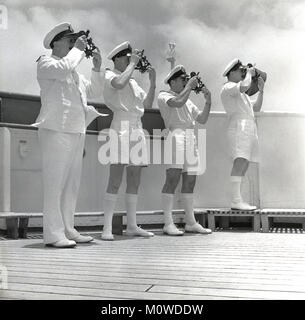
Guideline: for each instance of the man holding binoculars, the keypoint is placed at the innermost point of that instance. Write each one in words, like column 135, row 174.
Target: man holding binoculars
column 62, row 123
column 242, row 131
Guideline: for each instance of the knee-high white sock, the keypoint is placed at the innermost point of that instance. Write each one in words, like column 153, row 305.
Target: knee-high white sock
column 167, row 205
column 131, row 201
column 235, row 189
column 109, row 206
column 188, row 205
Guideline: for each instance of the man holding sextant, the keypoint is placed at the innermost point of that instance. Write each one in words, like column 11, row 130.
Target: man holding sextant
column 127, row 100
column 242, row 131
column 180, row 115
column 62, row 123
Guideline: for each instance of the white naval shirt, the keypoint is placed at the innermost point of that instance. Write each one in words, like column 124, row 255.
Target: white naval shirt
column 174, row 118
column 241, row 130
column 130, row 98
column 236, row 103
column 64, row 93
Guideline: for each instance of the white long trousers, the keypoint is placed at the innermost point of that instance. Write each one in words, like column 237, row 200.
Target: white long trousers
column 62, row 156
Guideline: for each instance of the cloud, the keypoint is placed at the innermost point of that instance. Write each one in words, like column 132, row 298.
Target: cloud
column 208, row 34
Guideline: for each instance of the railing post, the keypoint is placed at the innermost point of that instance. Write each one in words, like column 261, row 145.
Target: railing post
column 5, row 181
column 5, row 170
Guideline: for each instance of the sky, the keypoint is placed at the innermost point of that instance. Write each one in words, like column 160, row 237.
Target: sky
column 208, row 34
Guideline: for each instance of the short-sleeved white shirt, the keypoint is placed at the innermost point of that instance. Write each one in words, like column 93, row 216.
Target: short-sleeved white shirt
column 130, row 97
column 183, row 118
column 235, row 102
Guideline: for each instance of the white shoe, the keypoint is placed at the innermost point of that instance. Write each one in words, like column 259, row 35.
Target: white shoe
column 65, row 243
column 197, row 228
column 138, row 232
column 242, row 206
column 107, row 235
column 82, row 239
column 172, row 230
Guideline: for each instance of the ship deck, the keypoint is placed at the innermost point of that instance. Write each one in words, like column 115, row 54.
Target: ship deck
column 224, row 265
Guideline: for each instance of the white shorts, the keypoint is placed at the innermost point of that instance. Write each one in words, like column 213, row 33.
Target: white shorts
column 128, row 143
column 181, row 151
column 243, row 139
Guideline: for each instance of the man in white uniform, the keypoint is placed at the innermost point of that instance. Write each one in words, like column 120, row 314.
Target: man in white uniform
column 62, row 123
column 127, row 100
column 179, row 114
column 242, row 131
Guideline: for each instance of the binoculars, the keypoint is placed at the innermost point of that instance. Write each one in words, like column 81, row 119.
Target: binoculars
column 254, row 84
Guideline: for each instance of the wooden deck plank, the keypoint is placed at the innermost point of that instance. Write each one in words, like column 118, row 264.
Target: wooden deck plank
column 137, row 284
column 150, row 260
column 82, row 284
column 101, row 293
column 198, row 280
column 207, row 247
column 154, row 250
column 204, row 252
column 172, row 275
column 27, row 295
column 246, row 294
column 208, row 257
column 243, row 266
column 116, row 265
column 112, row 265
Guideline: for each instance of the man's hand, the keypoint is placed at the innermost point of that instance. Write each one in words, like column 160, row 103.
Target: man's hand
column 252, row 71
column 135, row 56
column 260, row 84
column 152, row 74
column 97, row 60
column 192, row 83
column 81, row 43
column 207, row 94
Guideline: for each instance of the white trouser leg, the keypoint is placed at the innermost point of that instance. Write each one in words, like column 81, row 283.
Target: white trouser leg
column 56, row 160
column 71, row 188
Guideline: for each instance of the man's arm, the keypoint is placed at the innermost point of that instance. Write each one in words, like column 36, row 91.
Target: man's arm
column 180, row 100
column 259, row 101
column 95, row 85
column 246, row 83
column 49, row 68
column 120, row 81
column 204, row 114
column 149, row 99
